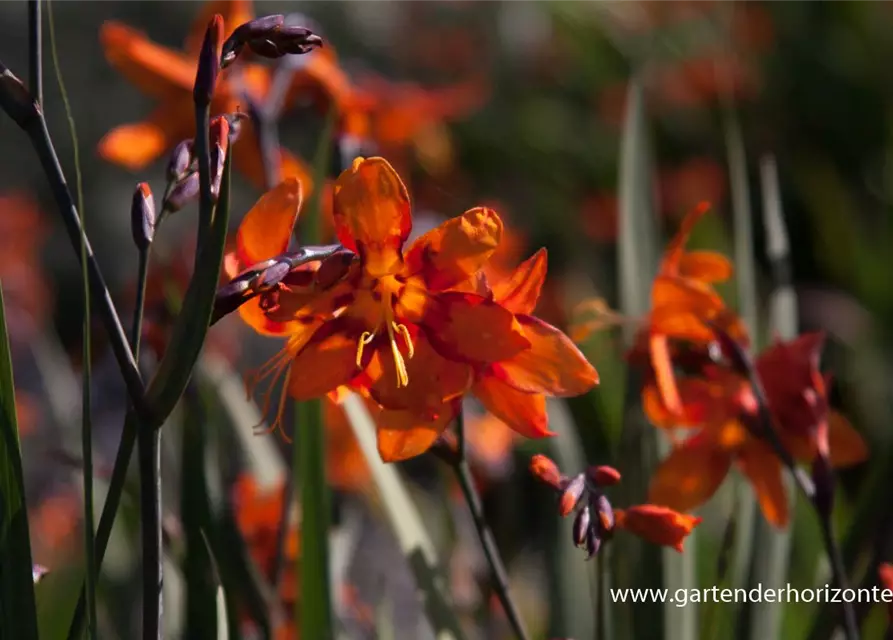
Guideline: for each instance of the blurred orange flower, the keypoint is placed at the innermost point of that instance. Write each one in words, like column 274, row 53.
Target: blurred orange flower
column 168, row 76
column 658, row 525
column 721, row 405
column 682, row 301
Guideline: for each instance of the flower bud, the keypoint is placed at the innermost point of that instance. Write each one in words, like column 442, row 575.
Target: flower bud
column 268, row 37
column 546, row 471
column 593, row 542
column 603, row 476
column 180, row 161
column 571, row 495
column 254, row 29
column 604, row 514
column 581, row 527
column 185, row 191
column 208, row 63
column 219, row 139
column 142, row 216
column 15, row 99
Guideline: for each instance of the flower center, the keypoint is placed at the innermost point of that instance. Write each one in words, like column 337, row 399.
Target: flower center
column 394, row 329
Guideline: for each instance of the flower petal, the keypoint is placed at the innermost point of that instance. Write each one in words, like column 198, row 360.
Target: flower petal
column 523, row 412
column 706, row 266
column 657, row 524
column 690, row 475
column 553, row 365
column 676, row 249
column 763, row 469
column 454, row 251
column 372, row 214
column 155, row 70
column 845, row 444
column 266, row 229
column 433, row 379
column 404, row 434
column 135, row 146
column 346, row 466
column 473, row 329
column 327, row 361
column 662, row 364
column 519, row 292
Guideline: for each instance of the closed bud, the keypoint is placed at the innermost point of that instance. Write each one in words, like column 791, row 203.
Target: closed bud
column 219, row 144
column 255, row 29
column 546, row 471
column 571, row 495
column 142, row 216
column 604, row 513
column 603, row 476
column 184, row 192
column 15, row 99
column 581, row 527
column 208, row 63
column 180, row 162
column 593, row 542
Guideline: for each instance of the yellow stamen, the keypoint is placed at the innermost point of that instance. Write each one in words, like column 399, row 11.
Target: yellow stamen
column 365, row 339
column 271, row 371
column 394, row 329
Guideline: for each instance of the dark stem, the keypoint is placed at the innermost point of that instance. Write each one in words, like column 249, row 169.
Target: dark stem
column 35, row 51
column 149, row 456
column 491, row 551
column 838, row 575
column 202, row 151
column 101, row 299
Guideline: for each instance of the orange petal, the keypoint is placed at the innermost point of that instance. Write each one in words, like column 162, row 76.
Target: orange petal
column 676, row 248
column 346, row 466
column 473, row 329
column 523, row 412
column 135, row 146
column 552, row 365
column 404, row 434
column 763, row 469
column 706, row 266
column 519, row 292
column 266, row 229
column 690, row 475
column 326, row 362
column 372, row 214
column 433, row 379
column 454, row 251
column 659, row 350
column 846, row 445
column 155, row 70
column 657, row 524
column 233, row 12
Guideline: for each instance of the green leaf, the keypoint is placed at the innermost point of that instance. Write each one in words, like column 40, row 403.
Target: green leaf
column 313, row 611
column 771, row 563
column 407, row 525
column 18, row 614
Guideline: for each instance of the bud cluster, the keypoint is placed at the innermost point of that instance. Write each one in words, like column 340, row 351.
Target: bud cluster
column 268, row 37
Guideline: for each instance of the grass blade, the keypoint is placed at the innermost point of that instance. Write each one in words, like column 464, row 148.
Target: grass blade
column 407, row 525
column 771, row 564
column 18, row 614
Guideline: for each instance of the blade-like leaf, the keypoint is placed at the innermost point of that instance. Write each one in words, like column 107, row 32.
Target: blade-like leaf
column 18, row 615
column 771, row 563
column 407, row 525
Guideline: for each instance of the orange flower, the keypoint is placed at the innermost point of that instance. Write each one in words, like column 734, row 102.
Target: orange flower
column 515, row 389
column 345, row 463
column 722, row 406
column 168, row 76
column 656, row 524
column 682, row 301
column 393, row 326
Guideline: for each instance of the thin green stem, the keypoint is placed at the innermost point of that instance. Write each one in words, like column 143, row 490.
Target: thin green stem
column 491, row 551
column 86, row 404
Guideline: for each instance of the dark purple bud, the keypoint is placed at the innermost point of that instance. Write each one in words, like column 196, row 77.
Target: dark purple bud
column 142, row 216
column 296, row 40
column 581, row 527
column 208, row 63
column 823, row 481
column 183, row 193
column 181, row 161
column 257, row 28
column 604, row 514
column 231, row 296
column 16, row 100
column 219, row 139
column 269, row 278
column 571, row 494
column 334, row 268
column 593, row 542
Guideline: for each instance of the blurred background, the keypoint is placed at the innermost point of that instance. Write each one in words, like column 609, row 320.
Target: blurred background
column 523, row 106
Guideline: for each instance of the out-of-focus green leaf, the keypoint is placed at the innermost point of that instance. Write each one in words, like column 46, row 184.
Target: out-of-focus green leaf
column 773, row 559
column 407, row 525
column 746, row 292
column 18, row 614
